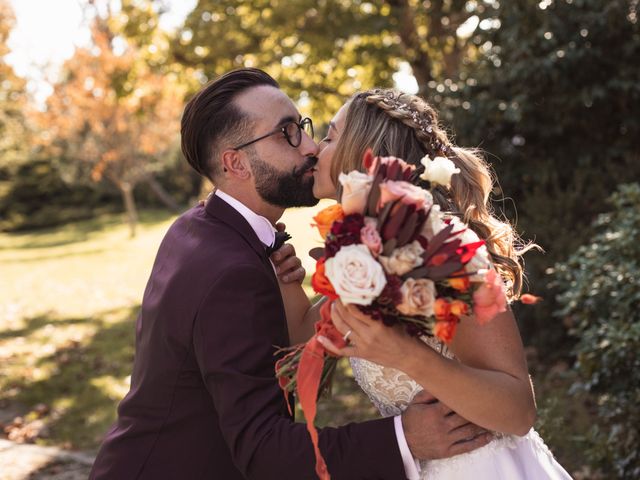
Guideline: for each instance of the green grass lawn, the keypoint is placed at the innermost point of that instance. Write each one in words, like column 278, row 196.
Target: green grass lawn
column 70, row 297
column 69, row 301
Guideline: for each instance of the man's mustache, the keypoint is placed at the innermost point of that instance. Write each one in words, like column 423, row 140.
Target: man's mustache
column 308, row 165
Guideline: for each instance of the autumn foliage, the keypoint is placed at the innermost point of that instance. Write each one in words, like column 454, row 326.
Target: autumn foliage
column 112, row 116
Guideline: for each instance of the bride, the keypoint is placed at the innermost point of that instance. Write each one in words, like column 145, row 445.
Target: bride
column 482, row 374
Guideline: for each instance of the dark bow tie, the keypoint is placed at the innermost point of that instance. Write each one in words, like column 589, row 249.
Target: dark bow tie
column 281, row 237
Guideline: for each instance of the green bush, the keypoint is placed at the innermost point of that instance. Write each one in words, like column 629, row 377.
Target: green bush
column 553, row 97
column 600, row 299
column 34, row 195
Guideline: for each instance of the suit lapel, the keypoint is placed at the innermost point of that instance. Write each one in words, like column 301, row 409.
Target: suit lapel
column 221, row 210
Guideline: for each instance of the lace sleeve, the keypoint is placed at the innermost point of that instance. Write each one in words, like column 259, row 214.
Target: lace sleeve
column 390, row 390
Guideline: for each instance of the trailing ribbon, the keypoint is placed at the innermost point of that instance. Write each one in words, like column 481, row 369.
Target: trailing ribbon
column 309, row 375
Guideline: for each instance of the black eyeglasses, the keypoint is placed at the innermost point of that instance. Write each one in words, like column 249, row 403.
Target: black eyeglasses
column 292, row 132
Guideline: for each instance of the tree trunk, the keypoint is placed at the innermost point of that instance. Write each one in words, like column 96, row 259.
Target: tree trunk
column 162, row 194
column 130, row 205
column 417, row 55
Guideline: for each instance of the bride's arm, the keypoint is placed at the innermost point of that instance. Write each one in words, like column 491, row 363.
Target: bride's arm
column 488, row 384
column 301, row 314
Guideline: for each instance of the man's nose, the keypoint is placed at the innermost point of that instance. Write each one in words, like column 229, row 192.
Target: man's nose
column 308, row 147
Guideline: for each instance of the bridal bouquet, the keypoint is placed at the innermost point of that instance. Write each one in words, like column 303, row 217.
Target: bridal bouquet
column 391, row 251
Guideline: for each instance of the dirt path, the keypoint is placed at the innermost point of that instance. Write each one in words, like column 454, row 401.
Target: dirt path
column 33, row 462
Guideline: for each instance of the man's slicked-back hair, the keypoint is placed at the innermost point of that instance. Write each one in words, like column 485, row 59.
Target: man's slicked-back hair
column 211, row 115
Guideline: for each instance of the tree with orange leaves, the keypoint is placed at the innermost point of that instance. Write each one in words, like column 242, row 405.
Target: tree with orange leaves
column 112, row 115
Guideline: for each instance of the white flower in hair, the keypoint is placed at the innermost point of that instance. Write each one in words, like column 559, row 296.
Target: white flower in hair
column 439, row 170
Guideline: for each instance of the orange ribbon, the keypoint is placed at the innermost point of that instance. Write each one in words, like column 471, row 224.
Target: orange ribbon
column 309, row 376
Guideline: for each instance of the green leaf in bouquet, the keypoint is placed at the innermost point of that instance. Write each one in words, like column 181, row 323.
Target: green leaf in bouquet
column 396, row 219
column 446, row 251
column 408, row 229
column 436, row 242
column 374, row 196
column 389, row 246
column 394, row 171
column 443, row 271
column 420, row 272
column 384, row 213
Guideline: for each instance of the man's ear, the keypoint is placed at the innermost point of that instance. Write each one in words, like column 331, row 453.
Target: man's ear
column 236, row 164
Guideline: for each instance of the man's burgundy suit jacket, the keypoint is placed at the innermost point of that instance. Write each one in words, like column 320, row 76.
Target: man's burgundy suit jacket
column 204, row 402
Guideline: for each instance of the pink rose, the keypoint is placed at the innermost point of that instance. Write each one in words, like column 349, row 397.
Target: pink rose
column 407, row 193
column 370, row 237
column 490, row 298
column 418, row 297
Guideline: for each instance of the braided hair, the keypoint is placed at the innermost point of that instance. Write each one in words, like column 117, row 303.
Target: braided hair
column 392, row 123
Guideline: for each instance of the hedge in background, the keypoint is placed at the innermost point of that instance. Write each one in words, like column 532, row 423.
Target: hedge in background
column 600, row 298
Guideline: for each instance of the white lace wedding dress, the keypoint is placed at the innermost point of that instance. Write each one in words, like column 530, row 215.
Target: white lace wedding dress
column 507, row 457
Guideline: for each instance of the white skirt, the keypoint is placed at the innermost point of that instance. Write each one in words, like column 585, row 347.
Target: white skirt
column 505, row 458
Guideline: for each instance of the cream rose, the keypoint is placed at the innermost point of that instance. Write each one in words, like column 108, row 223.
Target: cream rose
column 433, row 224
column 479, row 264
column 418, row 297
column 404, row 259
column 355, row 275
column 355, row 191
column 439, row 170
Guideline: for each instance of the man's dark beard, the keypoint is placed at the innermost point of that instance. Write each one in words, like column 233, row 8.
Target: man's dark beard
column 284, row 189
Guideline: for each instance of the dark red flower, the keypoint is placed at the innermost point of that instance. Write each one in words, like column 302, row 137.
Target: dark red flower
column 391, row 294
column 345, row 232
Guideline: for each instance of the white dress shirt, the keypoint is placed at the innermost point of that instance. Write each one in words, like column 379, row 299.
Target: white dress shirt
column 267, row 234
column 264, row 230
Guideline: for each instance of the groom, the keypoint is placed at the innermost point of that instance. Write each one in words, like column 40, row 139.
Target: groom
column 204, row 402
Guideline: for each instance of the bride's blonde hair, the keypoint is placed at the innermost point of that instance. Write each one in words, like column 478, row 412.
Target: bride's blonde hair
column 406, row 126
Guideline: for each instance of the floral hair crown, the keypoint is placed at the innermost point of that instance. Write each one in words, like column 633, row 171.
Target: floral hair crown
column 391, row 100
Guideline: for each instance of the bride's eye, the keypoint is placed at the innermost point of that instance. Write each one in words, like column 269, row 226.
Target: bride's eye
column 325, row 139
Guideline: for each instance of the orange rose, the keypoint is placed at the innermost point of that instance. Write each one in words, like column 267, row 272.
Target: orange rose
column 461, row 284
column 445, row 330
column 320, row 283
column 441, row 310
column 325, row 218
column 459, row 308
column 529, row 299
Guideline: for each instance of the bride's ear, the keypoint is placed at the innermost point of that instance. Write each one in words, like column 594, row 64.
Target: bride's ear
column 235, row 164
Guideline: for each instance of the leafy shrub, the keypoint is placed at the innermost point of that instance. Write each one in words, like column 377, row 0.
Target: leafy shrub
column 600, row 299
column 34, row 195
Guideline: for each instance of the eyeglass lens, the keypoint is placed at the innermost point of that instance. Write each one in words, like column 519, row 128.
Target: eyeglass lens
column 294, row 131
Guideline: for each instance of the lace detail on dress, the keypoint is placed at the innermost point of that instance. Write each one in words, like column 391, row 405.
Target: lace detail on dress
column 390, row 390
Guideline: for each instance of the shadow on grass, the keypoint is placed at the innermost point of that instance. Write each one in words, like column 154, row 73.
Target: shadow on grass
column 87, row 380
column 60, row 469
column 36, row 323
column 55, row 256
column 81, row 231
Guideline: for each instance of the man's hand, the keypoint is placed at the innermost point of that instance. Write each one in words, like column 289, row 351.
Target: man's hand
column 288, row 267
column 432, row 430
